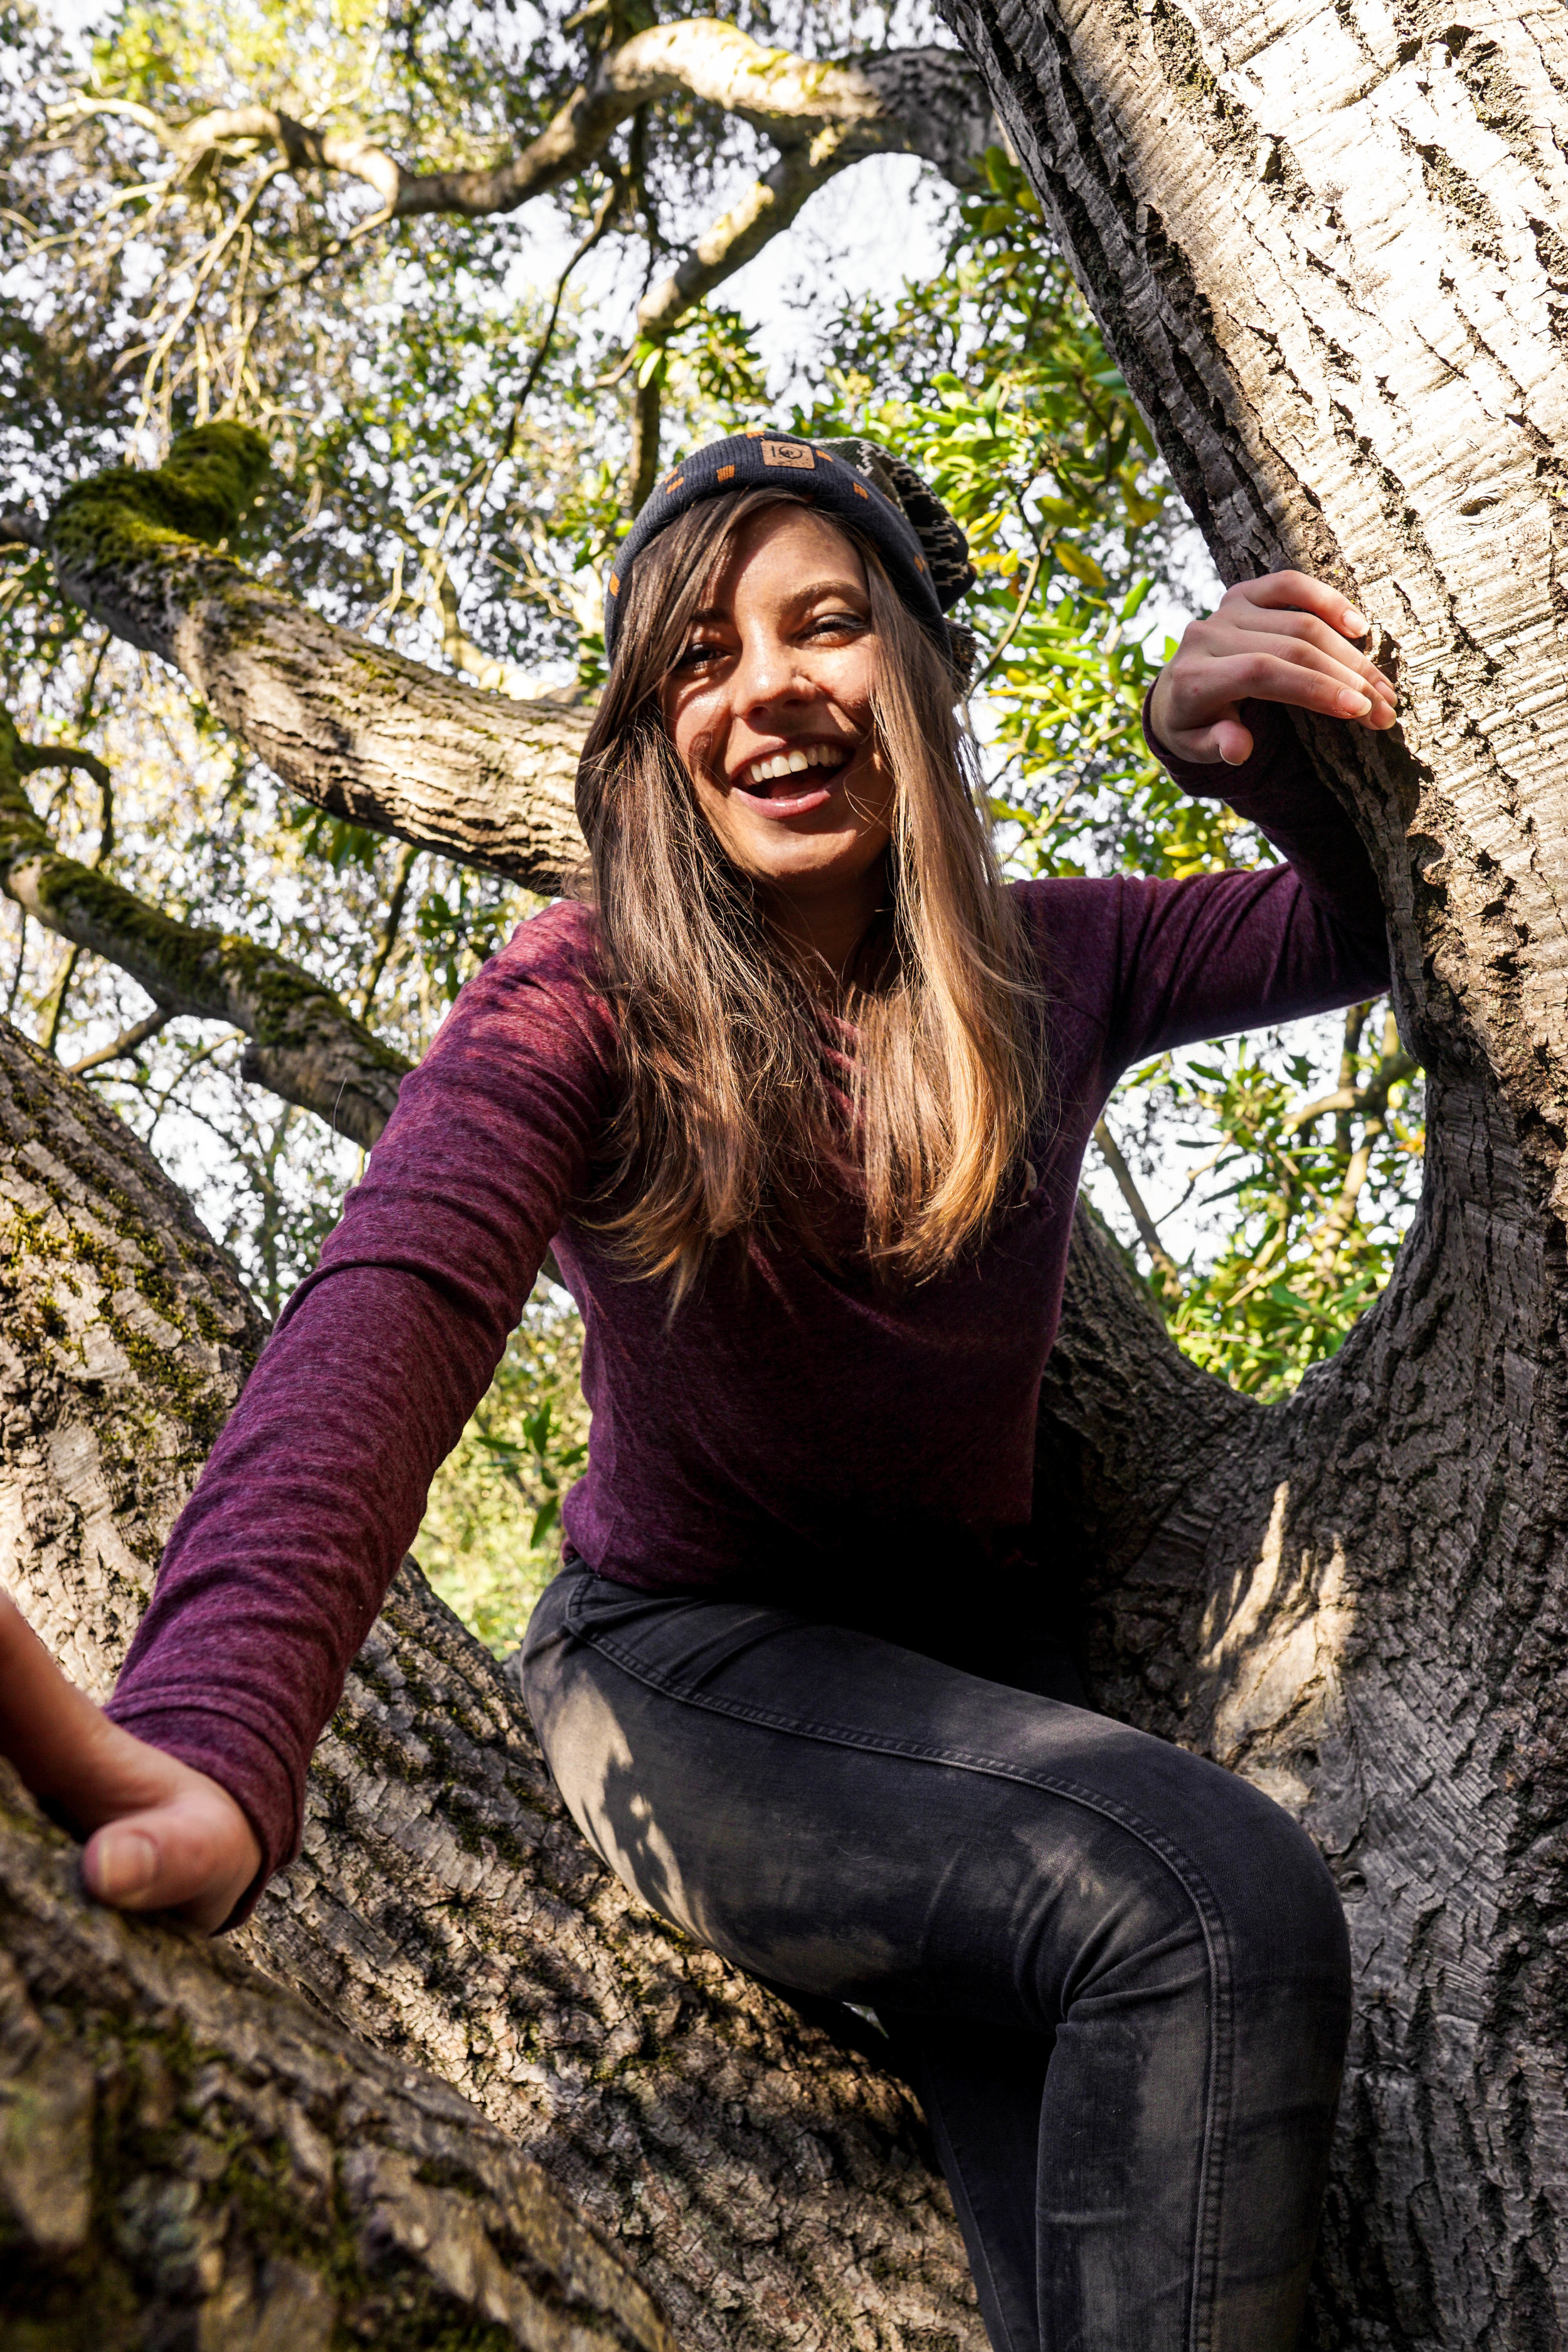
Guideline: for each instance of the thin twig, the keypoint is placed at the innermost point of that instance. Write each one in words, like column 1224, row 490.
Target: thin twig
column 11, row 993
column 394, row 923
column 1011, row 631
column 126, row 1043
column 1148, row 1231
column 485, row 469
column 56, row 999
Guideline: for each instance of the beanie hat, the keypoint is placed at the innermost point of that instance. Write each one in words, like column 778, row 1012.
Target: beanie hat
column 925, row 553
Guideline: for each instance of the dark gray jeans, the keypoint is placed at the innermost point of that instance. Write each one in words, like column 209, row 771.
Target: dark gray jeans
column 1117, row 1974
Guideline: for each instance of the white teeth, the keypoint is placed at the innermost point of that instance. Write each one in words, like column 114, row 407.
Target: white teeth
column 794, row 763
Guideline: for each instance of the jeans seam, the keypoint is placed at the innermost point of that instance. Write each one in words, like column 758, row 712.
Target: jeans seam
column 1211, row 2160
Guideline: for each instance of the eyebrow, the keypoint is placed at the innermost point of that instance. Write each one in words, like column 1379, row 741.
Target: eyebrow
column 848, row 588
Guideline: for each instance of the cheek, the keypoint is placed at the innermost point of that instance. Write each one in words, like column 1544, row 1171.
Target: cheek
column 694, row 719
column 687, row 731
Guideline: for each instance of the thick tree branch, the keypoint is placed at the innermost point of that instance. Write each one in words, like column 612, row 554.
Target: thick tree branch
column 305, row 1046
column 350, row 726
column 945, row 117
column 921, row 101
column 768, row 205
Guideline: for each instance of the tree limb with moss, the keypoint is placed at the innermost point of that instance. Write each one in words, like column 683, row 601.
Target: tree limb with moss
column 303, row 1045
column 353, row 727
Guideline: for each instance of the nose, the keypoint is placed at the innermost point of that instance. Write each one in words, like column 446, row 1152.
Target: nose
column 768, row 671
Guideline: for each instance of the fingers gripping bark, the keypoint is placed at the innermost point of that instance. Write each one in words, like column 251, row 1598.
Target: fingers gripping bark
column 1281, row 638
column 352, row 726
column 305, row 1046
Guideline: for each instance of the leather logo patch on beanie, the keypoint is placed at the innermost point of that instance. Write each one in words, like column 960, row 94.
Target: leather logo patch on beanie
column 788, row 453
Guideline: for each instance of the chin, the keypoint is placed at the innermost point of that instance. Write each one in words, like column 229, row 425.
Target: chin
column 810, row 864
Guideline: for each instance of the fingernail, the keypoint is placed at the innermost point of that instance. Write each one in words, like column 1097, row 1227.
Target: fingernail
column 125, row 1863
column 1355, row 706
column 1356, row 622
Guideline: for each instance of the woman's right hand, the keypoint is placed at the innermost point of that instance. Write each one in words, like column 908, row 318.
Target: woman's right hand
column 160, row 1836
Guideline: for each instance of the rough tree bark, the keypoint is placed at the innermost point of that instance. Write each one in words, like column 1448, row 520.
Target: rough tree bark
column 1329, row 248
column 190, row 2156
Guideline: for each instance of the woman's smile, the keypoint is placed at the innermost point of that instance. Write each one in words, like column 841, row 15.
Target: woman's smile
column 797, row 778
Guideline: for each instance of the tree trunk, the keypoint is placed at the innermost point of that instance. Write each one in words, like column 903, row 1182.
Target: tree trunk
column 1329, row 249
column 768, row 2182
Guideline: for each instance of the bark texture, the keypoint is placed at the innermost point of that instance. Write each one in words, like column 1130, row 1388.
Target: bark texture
column 192, row 2156
column 768, row 2182
column 1330, row 250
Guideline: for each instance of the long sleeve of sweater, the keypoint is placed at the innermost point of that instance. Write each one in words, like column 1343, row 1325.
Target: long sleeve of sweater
column 278, row 1565
column 1203, row 958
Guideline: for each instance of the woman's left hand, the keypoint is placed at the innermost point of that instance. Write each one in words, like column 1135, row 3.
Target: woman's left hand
column 1283, row 638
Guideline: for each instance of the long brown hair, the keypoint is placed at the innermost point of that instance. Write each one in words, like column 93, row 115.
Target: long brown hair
column 736, row 1101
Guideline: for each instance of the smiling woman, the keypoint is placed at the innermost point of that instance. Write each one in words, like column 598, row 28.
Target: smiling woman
column 798, row 1093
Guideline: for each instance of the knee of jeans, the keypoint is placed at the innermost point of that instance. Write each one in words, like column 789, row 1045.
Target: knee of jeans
column 1226, row 1883
column 1281, row 1916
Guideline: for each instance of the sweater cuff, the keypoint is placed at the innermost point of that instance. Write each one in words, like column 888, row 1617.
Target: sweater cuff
column 1213, row 779
column 233, row 1753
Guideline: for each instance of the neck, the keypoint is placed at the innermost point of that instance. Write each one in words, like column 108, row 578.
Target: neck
column 826, row 932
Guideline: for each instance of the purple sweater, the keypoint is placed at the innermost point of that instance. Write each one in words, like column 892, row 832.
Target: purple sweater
column 778, row 1424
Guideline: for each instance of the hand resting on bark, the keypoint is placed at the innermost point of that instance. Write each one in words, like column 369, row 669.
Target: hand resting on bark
column 160, row 1837
column 1277, row 639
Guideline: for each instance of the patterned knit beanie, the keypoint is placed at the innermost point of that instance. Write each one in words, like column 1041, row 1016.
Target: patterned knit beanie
column 925, row 553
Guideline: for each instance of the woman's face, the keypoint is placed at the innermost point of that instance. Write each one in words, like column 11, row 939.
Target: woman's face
column 769, row 706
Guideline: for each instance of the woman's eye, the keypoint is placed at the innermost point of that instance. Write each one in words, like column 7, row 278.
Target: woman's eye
column 694, row 656
column 838, row 625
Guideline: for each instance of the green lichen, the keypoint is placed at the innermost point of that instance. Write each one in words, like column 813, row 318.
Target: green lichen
column 207, row 484
column 31, row 1238
column 217, row 974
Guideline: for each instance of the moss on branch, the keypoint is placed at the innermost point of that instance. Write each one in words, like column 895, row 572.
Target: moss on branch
column 310, row 1048
column 204, row 489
